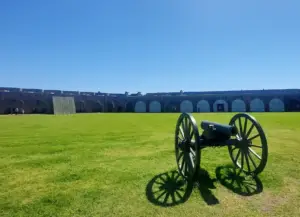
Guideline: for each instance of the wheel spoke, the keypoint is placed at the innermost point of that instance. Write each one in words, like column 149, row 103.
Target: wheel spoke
column 193, row 152
column 253, row 152
column 186, row 127
column 240, row 126
column 182, row 165
column 245, row 126
column 256, row 146
column 242, row 160
column 181, row 132
column 253, row 162
column 247, row 162
column 250, row 130
column 180, row 156
column 191, row 160
column 192, row 134
column 237, row 156
column 253, row 137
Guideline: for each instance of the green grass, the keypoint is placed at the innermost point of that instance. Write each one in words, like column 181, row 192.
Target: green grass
column 101, row 164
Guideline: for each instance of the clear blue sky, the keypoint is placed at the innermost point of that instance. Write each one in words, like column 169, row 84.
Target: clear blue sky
column 150, row 45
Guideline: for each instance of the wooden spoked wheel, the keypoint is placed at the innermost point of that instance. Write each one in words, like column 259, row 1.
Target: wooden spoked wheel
column 250, row 153
column 187, row 146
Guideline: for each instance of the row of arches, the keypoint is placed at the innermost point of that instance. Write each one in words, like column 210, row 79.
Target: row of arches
column 238, row 105
column 43, row 107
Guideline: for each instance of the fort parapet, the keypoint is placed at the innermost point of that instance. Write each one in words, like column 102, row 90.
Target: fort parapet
column 40, row 101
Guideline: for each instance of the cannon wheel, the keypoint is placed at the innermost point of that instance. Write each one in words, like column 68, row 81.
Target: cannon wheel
column 247, row 154
column 187, row 146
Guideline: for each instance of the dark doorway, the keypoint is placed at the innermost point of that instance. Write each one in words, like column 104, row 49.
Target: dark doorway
column 172, row 107
column 129, row 107
column 97, row 107
column 80, row 107
column 294, row 105
column 110, row 106
column 220, row 107
column 120, row 109
column 41, row 107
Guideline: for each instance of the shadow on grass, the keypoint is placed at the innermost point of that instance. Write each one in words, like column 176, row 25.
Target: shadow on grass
column 170, row 189
column 237, row 182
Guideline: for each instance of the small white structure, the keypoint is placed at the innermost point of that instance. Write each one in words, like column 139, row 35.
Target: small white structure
column 222, row 103
column 186, row 106
column 257, row 105
column 276, row 105
column 238, row 105
column 154, row 106
column 140, row 107
column 203, row 106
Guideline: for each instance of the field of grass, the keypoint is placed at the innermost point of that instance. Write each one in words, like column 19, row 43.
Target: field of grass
column 110, row 164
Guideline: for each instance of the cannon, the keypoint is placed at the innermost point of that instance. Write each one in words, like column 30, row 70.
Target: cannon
column 244, row 137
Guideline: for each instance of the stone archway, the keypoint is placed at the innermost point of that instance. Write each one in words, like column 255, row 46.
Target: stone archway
column 40, row 107
column 172, row 107
column 140, row 107
column 155, row 106
column 238, row 105
column 257, row 105
column 276, row 105
column 203, row 106
column 220, row 105
column 129, row 107
column 186, row 106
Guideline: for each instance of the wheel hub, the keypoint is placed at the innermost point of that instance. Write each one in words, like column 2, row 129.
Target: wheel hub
column 184, row 145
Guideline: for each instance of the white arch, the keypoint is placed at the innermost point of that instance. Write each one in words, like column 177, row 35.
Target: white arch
column 220, row 101
column 186, row 106
column 238, row 105
column 140, row 106
column 257, row 105
column 276, row 105
column 154, row 106
column 203, row 106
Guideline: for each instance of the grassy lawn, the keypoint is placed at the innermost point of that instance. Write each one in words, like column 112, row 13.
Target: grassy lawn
column 110, row 164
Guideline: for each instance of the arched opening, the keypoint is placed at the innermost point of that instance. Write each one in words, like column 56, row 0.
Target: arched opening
column 129, row 107
column 80, row 106
column 154, row 107
column 220, row 106
column 186, row 106
column 276, row 105
column 203, row 106
column 257, row 105
column 8, row 110
column 140, row 107
column 293, row 105
column 5, row 106
column 41, row 107
column 15, row 106
column 97, row 106
column 172, row 107
column 120, row 109
column 238, row 105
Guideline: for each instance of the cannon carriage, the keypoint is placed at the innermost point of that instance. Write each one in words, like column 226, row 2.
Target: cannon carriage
column 244, row 137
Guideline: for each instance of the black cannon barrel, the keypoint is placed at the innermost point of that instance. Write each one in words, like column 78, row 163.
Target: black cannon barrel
column 224, row 129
